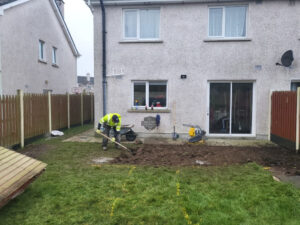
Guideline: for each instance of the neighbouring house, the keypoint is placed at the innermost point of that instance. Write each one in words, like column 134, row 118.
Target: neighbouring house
column 37, row 53
column 85, row 84
column 210, row 63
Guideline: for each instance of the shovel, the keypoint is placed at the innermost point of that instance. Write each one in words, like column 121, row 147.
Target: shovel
column 124, row 147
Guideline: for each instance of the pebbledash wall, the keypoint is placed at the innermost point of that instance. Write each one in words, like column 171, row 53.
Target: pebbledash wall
column 272, row 28
column 22, row 27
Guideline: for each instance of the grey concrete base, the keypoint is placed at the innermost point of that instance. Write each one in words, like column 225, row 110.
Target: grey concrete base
column 89, row 136
column 185, row 136
column 295, row 180
column 240, row 143
column 102, row 160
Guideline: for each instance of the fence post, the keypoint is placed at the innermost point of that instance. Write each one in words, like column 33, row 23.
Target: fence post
column 270, row 115
column 68, row 103
column 81, row 101
column 49, row 111
column 298, row 120
column 21, row 98
column 92, row 121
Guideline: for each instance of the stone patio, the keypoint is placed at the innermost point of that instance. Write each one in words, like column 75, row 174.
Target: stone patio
column 90, row 136
column 87, row 136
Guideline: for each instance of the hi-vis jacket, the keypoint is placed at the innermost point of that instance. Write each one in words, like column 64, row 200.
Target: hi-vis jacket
column 108, row 120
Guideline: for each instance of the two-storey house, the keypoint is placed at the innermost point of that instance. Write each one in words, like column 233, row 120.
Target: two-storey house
column 204, row 62
column 37, row 52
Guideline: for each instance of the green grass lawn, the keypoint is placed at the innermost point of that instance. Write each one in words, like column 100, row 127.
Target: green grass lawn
column 73, row 191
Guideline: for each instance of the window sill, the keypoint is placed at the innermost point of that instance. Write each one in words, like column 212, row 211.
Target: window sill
column 227, row 39
column 140, row 41
column 42, row 61
column 148, row 111
column 55, row 65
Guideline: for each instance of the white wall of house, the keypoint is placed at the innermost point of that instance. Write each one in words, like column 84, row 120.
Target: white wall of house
column 272, row 28
column 21, row 29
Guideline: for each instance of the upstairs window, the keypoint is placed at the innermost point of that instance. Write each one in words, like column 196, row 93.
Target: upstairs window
column 54, row 56
column 228, row 21
column 42, row 50
column 141, row 24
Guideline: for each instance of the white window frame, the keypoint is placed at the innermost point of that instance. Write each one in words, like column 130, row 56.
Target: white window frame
column 138, row 24
column 223, row 21
column 42, row 49
column 147, row 93
column 253, row 128
column 54, row 55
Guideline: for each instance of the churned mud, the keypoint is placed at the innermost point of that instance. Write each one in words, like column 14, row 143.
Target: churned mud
column 36, row 151
column 188, row 155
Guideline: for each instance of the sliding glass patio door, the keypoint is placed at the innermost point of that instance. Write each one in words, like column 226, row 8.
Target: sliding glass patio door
column 230, row 108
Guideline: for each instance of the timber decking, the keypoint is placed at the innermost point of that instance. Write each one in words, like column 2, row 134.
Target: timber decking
column 17, row 171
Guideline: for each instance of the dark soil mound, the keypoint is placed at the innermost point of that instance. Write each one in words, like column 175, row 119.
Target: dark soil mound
column 186, row 155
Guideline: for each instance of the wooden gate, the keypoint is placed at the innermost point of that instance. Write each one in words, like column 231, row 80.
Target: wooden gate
column 284, row 118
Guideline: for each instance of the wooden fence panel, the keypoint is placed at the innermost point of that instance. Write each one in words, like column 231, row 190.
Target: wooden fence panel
column 93, row 108
column 59, row 111
column 283, row 119
column 9, row 120
column 87, row 108
column 75, row 109
column 36, row 118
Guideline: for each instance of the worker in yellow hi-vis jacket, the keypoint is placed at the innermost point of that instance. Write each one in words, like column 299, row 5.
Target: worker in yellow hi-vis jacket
column 111, row 120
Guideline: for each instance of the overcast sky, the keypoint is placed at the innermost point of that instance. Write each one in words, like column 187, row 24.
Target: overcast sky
column 80, row 23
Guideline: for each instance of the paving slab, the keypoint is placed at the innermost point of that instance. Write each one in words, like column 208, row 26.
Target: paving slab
column 239, row 142
column 91, row 137
column 102, row 160
column 286, row 178
column 87, row 136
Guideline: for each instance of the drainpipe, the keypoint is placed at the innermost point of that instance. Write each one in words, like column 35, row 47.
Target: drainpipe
column 104, row 80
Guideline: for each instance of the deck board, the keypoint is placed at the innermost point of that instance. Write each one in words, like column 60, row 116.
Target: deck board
column 10, row 161
column 6, row 154
column 17, row 171
column 3, row 150
column 14, row 169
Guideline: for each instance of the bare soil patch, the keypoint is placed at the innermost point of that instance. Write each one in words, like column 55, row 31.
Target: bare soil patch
column 187, row 155
column 36, row 151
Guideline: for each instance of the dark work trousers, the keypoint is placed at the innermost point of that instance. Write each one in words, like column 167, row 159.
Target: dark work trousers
column 107, row 131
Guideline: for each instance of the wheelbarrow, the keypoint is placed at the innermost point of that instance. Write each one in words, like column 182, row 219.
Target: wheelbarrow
column 128, row 132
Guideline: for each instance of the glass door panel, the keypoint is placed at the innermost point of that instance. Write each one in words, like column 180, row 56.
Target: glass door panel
column 219, row 115
column 241, row 108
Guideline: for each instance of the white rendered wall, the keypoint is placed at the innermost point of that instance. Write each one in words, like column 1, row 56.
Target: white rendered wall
column 273, row 27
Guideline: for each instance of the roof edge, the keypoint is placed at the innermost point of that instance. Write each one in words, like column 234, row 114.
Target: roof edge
column 58, row 15
column 65, row 28
column 153, row 2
